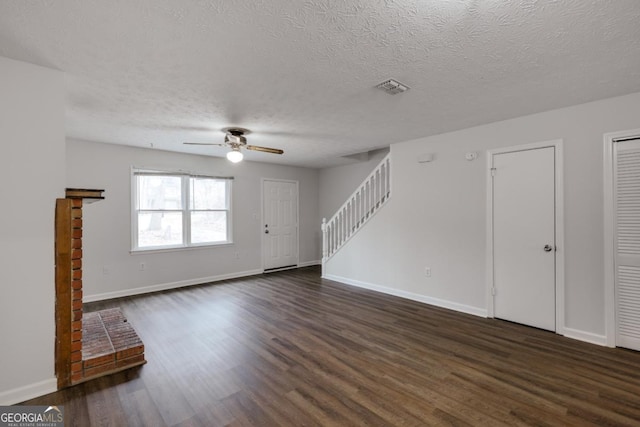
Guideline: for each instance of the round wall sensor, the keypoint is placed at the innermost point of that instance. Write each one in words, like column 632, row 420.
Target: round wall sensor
column 471, row 156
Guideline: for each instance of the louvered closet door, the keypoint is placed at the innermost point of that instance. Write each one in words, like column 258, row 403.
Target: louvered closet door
column 627, row 243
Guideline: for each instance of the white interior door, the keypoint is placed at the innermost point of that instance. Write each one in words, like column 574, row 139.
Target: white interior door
column 627, row 243
column 280, row 224
column 524, row 285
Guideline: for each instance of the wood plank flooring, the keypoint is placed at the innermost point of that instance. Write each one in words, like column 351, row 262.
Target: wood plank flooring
column 291, row 349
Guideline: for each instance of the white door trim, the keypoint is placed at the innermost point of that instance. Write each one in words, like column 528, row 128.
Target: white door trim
column 609, row 250
column 559, row 219
column 262, row 219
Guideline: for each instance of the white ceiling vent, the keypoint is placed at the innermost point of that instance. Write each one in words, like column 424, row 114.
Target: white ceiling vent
column 392, row 87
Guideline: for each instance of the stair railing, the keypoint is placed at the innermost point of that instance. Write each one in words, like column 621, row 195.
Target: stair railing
column 368, row 198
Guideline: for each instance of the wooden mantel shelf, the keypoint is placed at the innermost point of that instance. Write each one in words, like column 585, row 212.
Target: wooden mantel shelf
column 86, row 194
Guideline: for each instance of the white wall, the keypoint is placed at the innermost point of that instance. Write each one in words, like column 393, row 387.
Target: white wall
column 339, row 182
column 107, row 224
column 436, row 215
column 31, row 178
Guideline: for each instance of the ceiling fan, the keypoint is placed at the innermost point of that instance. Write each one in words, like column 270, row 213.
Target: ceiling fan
column 235, row 139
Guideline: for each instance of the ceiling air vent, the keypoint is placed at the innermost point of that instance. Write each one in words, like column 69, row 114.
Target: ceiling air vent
column 392, row 87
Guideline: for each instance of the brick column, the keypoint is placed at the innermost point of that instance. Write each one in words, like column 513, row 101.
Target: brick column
column 76, row 290
column 68, row 256
column 64, row 294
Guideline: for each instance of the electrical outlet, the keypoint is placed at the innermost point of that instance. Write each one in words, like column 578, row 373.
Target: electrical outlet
column 143, row 266
column 237, row 255
column 427, row 271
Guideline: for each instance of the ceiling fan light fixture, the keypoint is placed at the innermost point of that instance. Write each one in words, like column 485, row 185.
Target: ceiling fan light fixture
column 235, row 156
column 234, row 139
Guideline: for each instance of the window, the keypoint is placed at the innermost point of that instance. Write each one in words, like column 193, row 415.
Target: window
column 173, row 210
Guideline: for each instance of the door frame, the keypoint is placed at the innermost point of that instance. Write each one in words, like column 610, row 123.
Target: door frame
column 559, row 222
column 609, row 234
column 262, row 213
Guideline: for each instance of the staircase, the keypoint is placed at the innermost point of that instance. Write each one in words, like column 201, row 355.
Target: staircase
column 372, row 194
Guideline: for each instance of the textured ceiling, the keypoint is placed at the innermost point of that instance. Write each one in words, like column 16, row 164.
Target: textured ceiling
column 301, row 74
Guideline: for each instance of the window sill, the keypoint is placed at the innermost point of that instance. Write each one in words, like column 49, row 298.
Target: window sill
column 179, row 248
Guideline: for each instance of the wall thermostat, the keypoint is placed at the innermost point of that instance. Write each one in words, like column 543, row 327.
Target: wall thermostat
column 425, row 158
column 471, row 155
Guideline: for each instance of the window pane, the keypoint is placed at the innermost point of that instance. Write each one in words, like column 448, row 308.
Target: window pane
column 207, row 193
column 208, row 227
column 159, row 192
column 159, row 229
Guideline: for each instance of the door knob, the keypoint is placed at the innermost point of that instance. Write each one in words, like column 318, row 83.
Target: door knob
column 548, row 248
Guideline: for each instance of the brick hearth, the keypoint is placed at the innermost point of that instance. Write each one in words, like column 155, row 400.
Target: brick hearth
column 109, row 343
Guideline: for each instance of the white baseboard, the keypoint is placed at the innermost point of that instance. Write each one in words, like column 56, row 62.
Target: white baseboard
column 167, row 286
column 481, row 312
column 567, row 332
column 309, row 263
column 20, row 394
column 585, row 336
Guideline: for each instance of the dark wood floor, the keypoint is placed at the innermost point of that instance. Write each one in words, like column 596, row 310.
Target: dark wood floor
column 290, row 349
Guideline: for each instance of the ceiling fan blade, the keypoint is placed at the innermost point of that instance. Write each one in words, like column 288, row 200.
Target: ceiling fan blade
column 264, row 149
column 202, row 143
